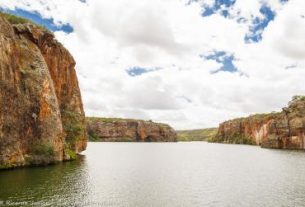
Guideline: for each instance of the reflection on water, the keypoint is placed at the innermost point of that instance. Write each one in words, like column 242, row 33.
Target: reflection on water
column 162, row 174
column 65, row 183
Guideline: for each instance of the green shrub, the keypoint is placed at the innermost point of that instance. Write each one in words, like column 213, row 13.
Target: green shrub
column 71, row 153
column 235, row 139
column 43, row 149
column 93, row 137
column 6, row 166
column 73, row 125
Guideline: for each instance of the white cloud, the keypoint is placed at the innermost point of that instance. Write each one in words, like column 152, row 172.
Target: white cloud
column 112, row 36
column 286, row 35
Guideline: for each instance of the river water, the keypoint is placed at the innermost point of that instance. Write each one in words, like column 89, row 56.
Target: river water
column 162, row 174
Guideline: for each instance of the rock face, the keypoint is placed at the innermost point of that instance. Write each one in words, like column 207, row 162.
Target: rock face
column 112, row 130
column 283, row 130
column 41, row 114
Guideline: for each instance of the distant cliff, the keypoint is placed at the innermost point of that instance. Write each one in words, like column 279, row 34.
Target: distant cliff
column 196, row 134
column 41, row 113
column 282, row 130
column 129, row 130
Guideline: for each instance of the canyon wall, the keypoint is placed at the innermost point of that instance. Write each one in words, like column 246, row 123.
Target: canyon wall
column 282, row 130
column 112, row 130
column 41, row 113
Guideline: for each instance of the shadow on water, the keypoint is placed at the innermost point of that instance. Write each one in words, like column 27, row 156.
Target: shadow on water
column 64, row 183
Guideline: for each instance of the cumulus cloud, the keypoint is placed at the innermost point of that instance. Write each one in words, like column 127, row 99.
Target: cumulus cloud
column 286, row 35
column 110, row 37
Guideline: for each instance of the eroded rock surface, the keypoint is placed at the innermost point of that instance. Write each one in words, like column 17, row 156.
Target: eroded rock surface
column 283, row 130
column 102, row 129
column 41, row 113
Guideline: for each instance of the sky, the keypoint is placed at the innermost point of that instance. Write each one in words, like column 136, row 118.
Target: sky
column 189, row 63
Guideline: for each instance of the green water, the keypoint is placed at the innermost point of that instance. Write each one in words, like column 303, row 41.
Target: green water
column 62, row 184
column 162, row 174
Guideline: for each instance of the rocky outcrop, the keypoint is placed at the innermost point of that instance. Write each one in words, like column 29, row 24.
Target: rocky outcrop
column 282, row 130
column 112, row 130
column 41, row 114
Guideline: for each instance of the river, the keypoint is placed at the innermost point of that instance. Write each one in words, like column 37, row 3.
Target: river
column 162, row 174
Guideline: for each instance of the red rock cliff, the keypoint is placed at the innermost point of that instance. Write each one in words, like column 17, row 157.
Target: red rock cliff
column 102, row 129
column 41, row 113
column 283, row 130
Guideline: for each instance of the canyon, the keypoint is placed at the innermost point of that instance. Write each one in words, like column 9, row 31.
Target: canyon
column 42, row 120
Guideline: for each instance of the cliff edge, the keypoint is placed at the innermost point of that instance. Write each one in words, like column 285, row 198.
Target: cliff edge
column 129, row 130
column 282, row 130
column 41, row 113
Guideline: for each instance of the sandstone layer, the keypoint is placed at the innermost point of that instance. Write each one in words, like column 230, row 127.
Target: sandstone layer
column 41, row 113
column 116, row 130
column 282, row 130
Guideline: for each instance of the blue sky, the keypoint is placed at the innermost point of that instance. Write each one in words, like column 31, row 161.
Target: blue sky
column 37, row 18
column 221, row 7
column 225, row 59
column 136, row 71
column 259, row 24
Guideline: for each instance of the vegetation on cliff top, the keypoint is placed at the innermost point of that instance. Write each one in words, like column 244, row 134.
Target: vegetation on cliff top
column 102, row 119
column 111, row 120
column 197, row 134
column 260, row 116
column 295, row 101
column 13, row 19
